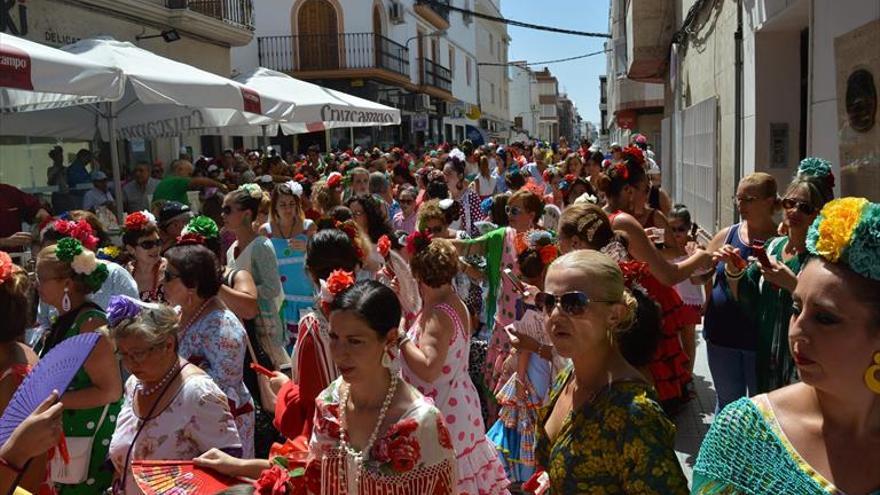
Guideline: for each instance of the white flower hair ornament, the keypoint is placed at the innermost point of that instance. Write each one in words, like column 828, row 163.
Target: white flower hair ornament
column 84, row 263
column 295, row 188
column 252, row 190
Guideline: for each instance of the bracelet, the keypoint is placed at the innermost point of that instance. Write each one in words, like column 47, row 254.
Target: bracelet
column 12, row 467
column 733, row 276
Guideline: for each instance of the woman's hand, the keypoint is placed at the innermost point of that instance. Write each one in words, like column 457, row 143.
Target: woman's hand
column 521, row 341
column 220, row 461
column 36, row 434
column 779, row 274
column 730, row 255
column 278, row 381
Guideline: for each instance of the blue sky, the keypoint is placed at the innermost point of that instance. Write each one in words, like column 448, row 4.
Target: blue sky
column 579, row 78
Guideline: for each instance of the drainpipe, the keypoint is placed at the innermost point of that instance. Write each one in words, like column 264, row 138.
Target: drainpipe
column 738, row 101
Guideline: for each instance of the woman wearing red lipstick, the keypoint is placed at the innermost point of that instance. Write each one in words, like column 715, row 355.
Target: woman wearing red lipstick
column 766, row 291
column 822, row 435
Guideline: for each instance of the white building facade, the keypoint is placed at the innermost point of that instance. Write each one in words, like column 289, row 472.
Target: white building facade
column 524, row 107
column 492, row 49
column 403, row 53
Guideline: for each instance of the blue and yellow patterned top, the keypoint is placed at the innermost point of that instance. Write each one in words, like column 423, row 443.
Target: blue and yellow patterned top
column 621, row 442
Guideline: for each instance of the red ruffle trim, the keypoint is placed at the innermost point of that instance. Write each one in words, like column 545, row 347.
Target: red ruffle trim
column 669, row 367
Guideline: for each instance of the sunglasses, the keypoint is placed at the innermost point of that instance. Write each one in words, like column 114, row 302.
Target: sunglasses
column 169, row 276
column 512, row 210
column 571, row 303
column 802, row 206
column 150, row 244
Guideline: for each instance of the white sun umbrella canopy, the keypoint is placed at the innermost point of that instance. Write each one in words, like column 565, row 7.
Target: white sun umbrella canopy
column 35, row 77
column 317, row 108
column 162, row 98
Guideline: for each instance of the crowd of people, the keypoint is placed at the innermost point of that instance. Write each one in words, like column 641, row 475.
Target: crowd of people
column 453, row 320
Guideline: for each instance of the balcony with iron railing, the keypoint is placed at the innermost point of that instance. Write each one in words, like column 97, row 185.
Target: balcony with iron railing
column 239, row 13
column 434, row 75
column 314, row 56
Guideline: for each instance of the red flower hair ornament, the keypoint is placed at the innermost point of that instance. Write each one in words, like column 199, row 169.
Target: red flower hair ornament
column 621, row 171
column 548, row 253
column 334, row 179
column 6, row 267
column 191, row 239
column 417, row 241
column 336, row 283
column 635, row 153
column 138, row 221
column 384, row 246
column 81, row 231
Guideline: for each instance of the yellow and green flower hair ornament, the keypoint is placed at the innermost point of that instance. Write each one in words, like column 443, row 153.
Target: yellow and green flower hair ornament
column 847, row 231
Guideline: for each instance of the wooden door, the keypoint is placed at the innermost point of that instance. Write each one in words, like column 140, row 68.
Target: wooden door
column 317, row 36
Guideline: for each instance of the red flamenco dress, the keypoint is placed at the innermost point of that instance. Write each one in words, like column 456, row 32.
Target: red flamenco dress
column 669, row 365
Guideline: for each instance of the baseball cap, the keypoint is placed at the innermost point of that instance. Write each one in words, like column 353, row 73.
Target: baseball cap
column 98, row 176
column 173, row 210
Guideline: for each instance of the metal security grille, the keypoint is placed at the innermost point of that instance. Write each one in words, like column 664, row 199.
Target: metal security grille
column 695, row 174
column 665, row 156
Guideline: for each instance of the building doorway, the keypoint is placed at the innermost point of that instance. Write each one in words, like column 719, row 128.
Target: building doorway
column 317, row 36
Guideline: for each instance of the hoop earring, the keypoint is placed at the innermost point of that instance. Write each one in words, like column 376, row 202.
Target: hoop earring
column 871, row 375
column 65, row 301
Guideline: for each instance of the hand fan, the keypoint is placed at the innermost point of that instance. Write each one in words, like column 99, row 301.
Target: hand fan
column 178, row 478
column 54, row 371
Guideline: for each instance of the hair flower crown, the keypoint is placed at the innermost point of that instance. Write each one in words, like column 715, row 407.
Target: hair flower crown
column 83, row 262
column 6, row 267
column 81, row 231
column 847, row 231
column 253, row 190
column 417, row 241
column 139, row 220
column 203, row 226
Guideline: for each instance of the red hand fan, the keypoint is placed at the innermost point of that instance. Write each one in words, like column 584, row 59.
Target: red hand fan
column 178, row 478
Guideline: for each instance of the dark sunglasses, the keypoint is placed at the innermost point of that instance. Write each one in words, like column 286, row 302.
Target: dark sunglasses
column 150, row 244
column 571, row 303
column 170, row 276
column 802, row 206
column 512, row 210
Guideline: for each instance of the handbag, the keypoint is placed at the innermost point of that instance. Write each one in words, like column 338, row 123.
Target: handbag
column 80, row 449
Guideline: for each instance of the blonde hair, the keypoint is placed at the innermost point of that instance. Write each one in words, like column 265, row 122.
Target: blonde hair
column 763, row 182
column 601, row 273
column 324, row 197
column 59, row 269
column 15, row 305
column 154, row 324
column 430, row 210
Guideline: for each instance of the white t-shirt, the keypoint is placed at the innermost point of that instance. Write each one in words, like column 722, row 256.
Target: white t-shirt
column 486, row 185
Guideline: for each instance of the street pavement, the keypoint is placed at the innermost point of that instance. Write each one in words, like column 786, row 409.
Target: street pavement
column 694, row 419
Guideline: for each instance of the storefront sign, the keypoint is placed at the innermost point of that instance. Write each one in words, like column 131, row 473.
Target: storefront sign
column 419, row 123
column 330, row 114
column 15, row 68
column 174, row 126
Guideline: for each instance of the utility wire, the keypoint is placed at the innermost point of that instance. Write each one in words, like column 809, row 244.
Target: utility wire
column 546, row 62
column 441, row 5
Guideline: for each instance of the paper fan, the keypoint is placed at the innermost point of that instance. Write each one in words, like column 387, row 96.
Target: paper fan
column 178, row 478
column 54, row 371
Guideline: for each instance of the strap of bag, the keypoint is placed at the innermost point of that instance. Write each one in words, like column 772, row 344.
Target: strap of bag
column 147, row 418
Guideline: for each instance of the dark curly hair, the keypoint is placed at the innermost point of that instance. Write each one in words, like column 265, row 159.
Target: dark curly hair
column 377, row 223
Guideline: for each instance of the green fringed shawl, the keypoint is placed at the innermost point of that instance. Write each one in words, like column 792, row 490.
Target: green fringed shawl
column 744, row 453
column 493, row 243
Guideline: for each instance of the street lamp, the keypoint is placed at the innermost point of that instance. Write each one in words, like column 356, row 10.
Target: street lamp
column 441, row 32
column 169, row 35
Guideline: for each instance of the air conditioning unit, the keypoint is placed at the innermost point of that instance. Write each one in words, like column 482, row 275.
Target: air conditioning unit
column 422, row 102
column 395, row 12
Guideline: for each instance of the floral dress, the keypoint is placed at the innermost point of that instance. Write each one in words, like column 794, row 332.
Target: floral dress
column 85, row 422
column 479, row 469
column 622, row 442
column 197, row 420
column 414, row 455
column 216, row 344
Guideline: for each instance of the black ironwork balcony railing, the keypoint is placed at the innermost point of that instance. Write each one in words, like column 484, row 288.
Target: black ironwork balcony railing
column 434, row 74
column 237, row 12
column 320, row 52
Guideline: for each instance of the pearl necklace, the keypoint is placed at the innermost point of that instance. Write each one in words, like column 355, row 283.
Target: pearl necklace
column 354, row 460
column 152, row 390
column 195, row 316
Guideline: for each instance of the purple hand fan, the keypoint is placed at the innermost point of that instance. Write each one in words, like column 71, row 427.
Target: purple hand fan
column 54, row 371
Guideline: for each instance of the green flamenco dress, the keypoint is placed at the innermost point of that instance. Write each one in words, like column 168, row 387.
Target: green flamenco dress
column 774, row 365
column 746, row 452
column 84, row 422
